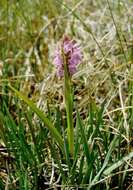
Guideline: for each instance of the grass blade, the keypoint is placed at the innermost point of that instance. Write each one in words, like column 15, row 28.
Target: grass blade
column 118, row 164
column 112, row 145
column 41, row 115
column 83, row 136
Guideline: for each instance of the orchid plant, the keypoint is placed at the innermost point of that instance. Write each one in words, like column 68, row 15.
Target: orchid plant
column 67, row 56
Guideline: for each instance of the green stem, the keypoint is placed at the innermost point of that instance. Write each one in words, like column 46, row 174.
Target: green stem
column 69, row 107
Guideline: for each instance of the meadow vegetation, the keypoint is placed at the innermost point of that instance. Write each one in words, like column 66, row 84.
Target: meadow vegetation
column 36, row 151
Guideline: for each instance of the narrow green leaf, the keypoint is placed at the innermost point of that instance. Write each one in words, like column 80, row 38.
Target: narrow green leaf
column 41, row 115
column 66, row 150
column 31, row 127
column 118, row 164
column 57, row 159
column 112, row 145
column 83, row 136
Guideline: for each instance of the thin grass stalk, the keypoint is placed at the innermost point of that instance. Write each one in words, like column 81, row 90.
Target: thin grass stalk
column 117, row 31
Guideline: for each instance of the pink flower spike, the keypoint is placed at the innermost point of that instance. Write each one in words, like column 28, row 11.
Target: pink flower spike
column 72, row 55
